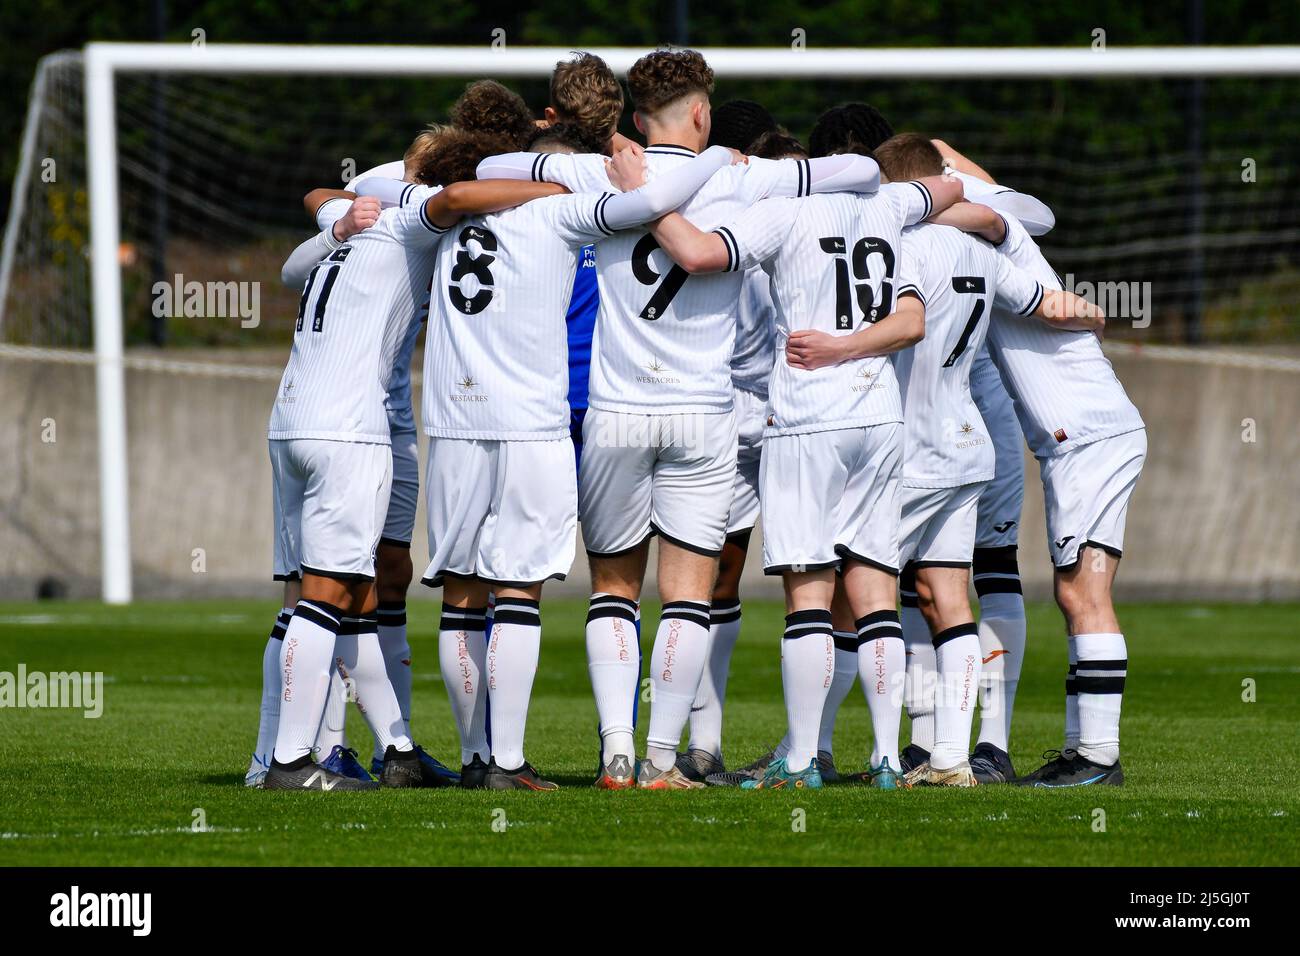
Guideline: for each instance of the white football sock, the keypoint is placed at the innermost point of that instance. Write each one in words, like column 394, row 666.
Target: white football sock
column 1071, row 697
column 1099, row 682
column 396, row 649
column 921, row 675
column 957, row 656
column 882, row 666
column 361, row 663
column 614, row 664
column 305, row 655
column 268, row 720
column 332, row 731
column 846, row 670
column 706, row 714
column 807, row 672
column 676, row 664
column 511, row 666
column 462, row 658
column 1002, row 652
column 1002, row 640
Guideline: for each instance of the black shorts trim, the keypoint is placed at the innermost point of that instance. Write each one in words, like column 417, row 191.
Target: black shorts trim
column 684, row 544
column 848, row 555
column 338, row 575
column 740, row 538
column 959, row 565
column 291, row 576
column 625, row 551
column 396, row 543
column 801, row 568
column 517, row 584
column 1114, row 552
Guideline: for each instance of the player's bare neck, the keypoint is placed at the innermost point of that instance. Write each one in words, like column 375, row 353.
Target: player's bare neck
column 681, row 135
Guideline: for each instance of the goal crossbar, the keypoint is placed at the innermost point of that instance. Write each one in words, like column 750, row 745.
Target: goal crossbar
column 103, row 61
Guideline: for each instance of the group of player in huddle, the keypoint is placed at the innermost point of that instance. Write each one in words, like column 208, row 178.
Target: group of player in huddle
column 852, row 341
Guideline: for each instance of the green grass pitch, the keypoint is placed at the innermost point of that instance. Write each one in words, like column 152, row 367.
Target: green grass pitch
column 1212, row 778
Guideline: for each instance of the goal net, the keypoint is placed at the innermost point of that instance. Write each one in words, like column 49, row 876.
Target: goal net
column 1177, row 203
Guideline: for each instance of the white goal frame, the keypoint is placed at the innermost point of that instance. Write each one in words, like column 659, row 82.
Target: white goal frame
column 104, row 61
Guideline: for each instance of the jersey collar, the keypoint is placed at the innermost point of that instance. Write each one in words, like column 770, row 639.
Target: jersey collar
column 671, row 149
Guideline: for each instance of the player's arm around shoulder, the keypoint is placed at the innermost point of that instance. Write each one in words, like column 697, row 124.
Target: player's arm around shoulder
column 901, row 329
column 974, row 218
column 482, row 196
column 696, row 251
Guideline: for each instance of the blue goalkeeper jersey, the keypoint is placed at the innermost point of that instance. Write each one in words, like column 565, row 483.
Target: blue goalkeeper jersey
column 582, row 323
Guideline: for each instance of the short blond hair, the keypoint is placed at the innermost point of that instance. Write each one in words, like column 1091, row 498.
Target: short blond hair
column 417, row 154
column 585, row 91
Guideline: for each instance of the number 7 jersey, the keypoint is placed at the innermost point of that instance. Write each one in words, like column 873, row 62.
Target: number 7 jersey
column 356, row 309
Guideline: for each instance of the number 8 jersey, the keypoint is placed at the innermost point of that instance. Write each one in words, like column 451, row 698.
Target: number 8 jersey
column 836, row 262
column 354, row 315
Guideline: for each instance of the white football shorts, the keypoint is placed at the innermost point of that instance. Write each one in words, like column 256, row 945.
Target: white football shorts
column 399, row 526
column 671, row 475
column 330, row 499
column 1086, row 493
column 502, row 511
column 938, row 525
column 998, row 523
column 831, row 496
column 751, row 419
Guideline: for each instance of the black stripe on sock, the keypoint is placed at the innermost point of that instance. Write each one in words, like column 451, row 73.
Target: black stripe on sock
column 879, row 624
column 907, row 577
column 517, row 611
column 391, row 613
column 610, row 605
column 350, row 625
column 1099, row 685
column 995, row 560
column 1101, row 666
column 1070, row 689
column 952, row 633
column 694, row 611
column 320, row 614
column 724, row 613
column 847, row 642
column 281, row 625
column 997, row 585
column 368, row 624
column 812, row 621
column 463, row 619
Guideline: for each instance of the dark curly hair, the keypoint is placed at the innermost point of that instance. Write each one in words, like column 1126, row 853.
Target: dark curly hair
column 573, row 137
column 488, row 107
column 452, row 155
column 663, row 76
column 776, row 144
column 851, row 128
column 738, row 123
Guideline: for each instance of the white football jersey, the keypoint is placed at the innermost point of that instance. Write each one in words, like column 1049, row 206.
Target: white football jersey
column 755, row 349
column 496, row 360
column 398, row 402
column 945, row 442
column 355, row 313
column 836, row 262
column 1063, row 387
column 664, row 339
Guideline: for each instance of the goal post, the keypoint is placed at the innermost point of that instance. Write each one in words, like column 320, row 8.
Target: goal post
column 104, row 62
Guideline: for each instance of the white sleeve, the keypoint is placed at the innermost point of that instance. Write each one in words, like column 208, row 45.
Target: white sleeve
column 911, row 199
column 757, row 234
column 392, row 192
column 1036, row 215
column 303, row 259
column 802, row 177
column 595, row 217
column 917, row 274
column 578, row 173
column 1017, row 290
column 412, row 226
column 332, row 210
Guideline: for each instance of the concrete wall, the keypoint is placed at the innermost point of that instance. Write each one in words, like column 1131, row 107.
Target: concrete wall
column 1214, row 516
